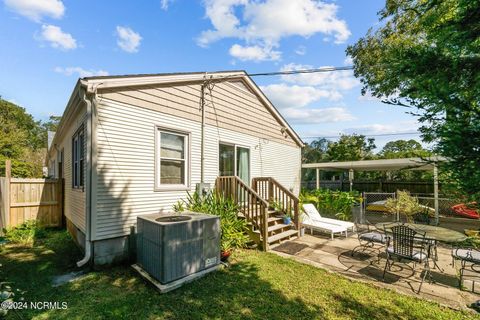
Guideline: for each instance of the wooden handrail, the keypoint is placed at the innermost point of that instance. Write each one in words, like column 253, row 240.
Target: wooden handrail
column 271, row 190
column 253, row 207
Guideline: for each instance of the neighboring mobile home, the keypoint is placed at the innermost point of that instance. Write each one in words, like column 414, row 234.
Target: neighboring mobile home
column 132, row 145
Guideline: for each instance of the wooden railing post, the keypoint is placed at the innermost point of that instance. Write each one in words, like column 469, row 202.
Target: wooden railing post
column 270, row 191
column 296, row 215
column 264, row 229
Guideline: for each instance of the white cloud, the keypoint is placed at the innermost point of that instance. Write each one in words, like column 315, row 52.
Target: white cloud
column 368, row 97
column 253, row 53
column 164, row 4
column 338, row 80
column 301, row 50
column 265, row 23
column 377, row 128
column 285, row 96
column 348, row 61
column 128, row 40
column 37, row 9
column 69, row 71
column 317, row 115
column 57, row 38
column 299, row 90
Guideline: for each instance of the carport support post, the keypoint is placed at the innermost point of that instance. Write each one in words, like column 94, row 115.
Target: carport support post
column 317, row 178
column 435, row 192
column 350, row 178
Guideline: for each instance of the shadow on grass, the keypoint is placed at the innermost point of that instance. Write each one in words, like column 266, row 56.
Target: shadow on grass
column 237, row 292
column 256, row 286
column 361, row 310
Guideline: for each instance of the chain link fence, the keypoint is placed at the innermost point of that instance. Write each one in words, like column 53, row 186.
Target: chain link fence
column 444, row 204
column 375, row 201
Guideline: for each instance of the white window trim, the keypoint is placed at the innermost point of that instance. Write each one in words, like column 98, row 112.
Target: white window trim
column 172, row 187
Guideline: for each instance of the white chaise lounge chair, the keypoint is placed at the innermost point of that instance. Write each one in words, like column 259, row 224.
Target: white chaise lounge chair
column 320, row 226
column 313, row 213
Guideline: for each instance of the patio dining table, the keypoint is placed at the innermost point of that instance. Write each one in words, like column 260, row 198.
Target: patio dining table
column 431, row 232
column 434, row 233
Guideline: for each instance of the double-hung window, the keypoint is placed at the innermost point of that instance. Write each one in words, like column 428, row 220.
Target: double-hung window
column 172, row 159
column 78, row 155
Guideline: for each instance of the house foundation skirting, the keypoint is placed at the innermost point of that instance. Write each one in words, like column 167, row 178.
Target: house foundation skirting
column 106, row 252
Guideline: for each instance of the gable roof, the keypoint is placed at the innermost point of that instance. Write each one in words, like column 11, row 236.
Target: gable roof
column 92, row 84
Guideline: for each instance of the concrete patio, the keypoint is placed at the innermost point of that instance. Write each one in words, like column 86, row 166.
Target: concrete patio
column 335, row 255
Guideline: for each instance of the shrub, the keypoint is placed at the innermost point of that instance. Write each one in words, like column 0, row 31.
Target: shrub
column 233, row 228
column 26, row 233
column 338, row 203
column 404, row 204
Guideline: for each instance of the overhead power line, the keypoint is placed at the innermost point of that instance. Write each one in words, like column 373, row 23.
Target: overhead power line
column 289, row 72
column 211, row 79
column 367, row 135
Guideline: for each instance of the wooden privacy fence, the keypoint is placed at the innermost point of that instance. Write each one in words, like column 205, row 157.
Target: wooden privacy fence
column 30, row 199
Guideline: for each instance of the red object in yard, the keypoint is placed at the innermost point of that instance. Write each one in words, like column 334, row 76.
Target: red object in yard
column 463, row 210
column 224, row 255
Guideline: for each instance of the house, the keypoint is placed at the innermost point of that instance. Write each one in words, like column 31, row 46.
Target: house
column 132, row 145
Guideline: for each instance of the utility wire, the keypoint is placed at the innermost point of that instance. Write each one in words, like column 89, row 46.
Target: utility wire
column 367, row 135
column 213, row 78
column 289, row 72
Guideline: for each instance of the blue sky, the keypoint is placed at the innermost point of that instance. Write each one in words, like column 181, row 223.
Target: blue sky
column 48, row 44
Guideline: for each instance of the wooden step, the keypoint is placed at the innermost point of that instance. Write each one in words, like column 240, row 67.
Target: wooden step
column 283, row 235
column 276, row 227
column 274, row 219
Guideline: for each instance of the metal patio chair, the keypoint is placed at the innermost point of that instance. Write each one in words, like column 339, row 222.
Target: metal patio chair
column 405, row 243
column 369, row 239
column 470, row 256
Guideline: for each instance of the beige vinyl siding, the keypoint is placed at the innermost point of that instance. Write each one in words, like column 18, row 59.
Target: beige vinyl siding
column 75, row 199
column 126, row 159
column 229, row 107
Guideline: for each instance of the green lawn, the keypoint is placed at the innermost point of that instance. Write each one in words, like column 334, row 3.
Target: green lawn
column 257, row 286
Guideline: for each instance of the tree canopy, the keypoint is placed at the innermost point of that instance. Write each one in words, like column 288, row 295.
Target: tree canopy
column 351, row 147
column 403, row 149
column 424, row 56
column 23, row 140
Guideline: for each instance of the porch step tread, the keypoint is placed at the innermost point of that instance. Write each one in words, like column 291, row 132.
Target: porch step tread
column 273, row 219
column 277, row 227
column 282, row 235
column 270, row 219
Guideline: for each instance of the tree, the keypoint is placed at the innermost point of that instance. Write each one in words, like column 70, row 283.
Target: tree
column 315, row 151
column 22, row 139
column 403, row 149
column 52, row 123
column 424, row 56
column 350, row 148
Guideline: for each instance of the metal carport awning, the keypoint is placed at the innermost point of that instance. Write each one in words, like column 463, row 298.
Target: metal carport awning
column 424, row 164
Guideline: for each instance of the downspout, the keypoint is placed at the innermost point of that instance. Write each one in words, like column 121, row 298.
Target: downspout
column 89, row 139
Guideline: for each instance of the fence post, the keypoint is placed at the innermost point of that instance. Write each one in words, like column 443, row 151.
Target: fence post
column 8, row 176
